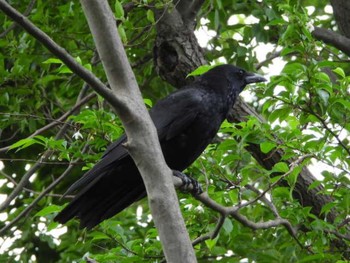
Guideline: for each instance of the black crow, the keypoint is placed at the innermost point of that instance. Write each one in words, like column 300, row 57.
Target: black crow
column 186, row 120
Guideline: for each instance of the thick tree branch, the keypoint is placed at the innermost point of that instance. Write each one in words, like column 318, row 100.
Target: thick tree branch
column 233, row 211
column 192, row 11
column 341, row 10
column 182, row 5
column 188, row 9
column 143, row 144
column 332, row 38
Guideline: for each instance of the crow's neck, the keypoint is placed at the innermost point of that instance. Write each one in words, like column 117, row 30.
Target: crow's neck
column 231, row 98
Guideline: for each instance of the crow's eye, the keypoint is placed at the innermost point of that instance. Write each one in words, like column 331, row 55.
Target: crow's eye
column 241, row 73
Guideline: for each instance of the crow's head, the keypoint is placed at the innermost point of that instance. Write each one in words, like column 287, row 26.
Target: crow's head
column 232, row 77
column 229, row 81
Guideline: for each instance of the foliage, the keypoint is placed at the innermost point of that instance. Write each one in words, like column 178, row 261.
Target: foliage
column 306, row 107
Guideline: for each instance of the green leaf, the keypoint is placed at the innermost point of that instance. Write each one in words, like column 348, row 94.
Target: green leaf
column 280, row 167
column 53, row 61
column 241, row 51
column 211, row 242
column 96, row 235
column 88, row 66
column 24, row 143
column 122, row 34
column 343, row 102
column 290, row 32
column 49, row 210
column 65, row 70
column 228, row 226
column 340, row 72
column 148, row 102
column 266, row 147
column 314, row 184
column 150, row 16
column 312, row 258
column 119, row 11
column 322, row 76
column 201, row 70
column 287, row 50
column 280, row 114
column 217, row 19
column 293, row 68
column 328, row 207
column 324, row 96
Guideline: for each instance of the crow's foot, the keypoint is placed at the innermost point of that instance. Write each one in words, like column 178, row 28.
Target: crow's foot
column 188, row 183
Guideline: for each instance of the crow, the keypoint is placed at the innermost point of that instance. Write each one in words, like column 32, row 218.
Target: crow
column 186, row 121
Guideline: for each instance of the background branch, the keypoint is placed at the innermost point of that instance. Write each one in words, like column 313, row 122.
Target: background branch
column 25, row 13
column 57, row 121
column 332, row 38
column 42, row 195
column 59, row 52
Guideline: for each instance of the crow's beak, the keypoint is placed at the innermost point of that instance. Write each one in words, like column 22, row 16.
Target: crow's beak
column 254, row 78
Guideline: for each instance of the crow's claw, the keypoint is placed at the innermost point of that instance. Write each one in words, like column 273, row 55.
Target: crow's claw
column 188, row 183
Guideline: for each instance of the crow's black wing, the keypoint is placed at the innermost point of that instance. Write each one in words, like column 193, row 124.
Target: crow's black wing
column 170, row 115
column 175, row 113
column 114, row 182
column 114, row 152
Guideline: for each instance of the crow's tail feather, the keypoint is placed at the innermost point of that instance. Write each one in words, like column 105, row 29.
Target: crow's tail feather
column 110, row 193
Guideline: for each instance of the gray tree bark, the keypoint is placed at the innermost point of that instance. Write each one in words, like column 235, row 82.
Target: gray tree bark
column 143, row 144
column 341, row 10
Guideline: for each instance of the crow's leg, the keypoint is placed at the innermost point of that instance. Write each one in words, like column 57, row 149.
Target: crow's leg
column 188, row 183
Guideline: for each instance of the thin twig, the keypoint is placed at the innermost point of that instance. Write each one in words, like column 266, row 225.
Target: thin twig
column 10, row 138
column 35, row 160
column 323, row 122
column 57, row 121
column 9, row 178
column 61, row 53
column 42, row 194
column 292, row 166
column 213, row 234
column 14, row 25
column 264, row 199
column 24, row 180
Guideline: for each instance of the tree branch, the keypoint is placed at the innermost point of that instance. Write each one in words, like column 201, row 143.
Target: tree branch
column 42, row 194
column 292, row 166
column 188, row 9
column 143, row 144
column 233, row 212
column 14, row 25
column 10, row 179
column 332, row 38
column 57, row 121
column 211, row 235
column 59, row 52
column 24, row 180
